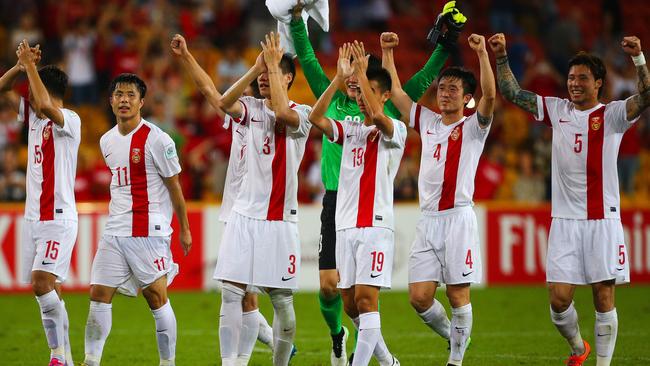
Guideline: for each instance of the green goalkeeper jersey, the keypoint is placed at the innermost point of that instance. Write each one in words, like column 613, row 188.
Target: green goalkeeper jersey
column 343, row 108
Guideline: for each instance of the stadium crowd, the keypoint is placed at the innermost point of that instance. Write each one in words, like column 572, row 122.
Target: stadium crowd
column 96, row 40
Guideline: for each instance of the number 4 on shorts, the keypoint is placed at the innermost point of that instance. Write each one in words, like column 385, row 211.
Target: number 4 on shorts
column 468, row 258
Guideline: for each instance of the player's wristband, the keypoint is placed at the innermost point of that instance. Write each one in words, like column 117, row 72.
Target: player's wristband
column 639, row 60
column 502, row 60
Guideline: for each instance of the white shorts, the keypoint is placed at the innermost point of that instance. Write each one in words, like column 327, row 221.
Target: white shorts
column 582, row 252
column 47, row 246
column 130, row 263
column 364, row 256
column 446, row 248
column 259, row 253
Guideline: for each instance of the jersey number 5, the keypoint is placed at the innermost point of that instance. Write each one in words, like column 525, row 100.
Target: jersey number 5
column 577, row 148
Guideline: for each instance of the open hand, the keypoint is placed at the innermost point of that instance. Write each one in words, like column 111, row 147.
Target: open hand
column 343, row 67
column 360, row 63
column 272, row 50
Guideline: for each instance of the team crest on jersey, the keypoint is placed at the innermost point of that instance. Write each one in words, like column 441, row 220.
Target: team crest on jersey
column 455, row 134
column 595, row 123
column 136, row 155
column 47, row 132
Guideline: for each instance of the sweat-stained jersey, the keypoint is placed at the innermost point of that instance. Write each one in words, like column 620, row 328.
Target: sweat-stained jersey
column 269, row 190
column 140, row 204
column 585, row 152
column 51, row 165
column 450, row 155
column 369, row 164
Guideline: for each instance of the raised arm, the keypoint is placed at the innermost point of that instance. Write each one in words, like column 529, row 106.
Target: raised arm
column 400, row 99
column 343, row 71
column 8, row 79
column 178, row 203
column 638, row 102
column 279, row 98
column 41, row 101
column 374, row 108
column 312, row 69
column 485, row 107
column 508, row 85
column 201, row 78
column 228, row 101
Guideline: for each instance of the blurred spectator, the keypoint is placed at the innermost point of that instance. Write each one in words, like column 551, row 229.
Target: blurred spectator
column 78, row 47
column 231, row 66
column 563, row 39
column 26, row 30
column 10, row 127
column 529, row 186
column 12, row 180
column 490, row 173
column 628, row 159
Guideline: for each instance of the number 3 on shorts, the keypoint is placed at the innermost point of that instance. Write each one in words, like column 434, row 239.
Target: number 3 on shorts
column 468, row 258
column 292, row 264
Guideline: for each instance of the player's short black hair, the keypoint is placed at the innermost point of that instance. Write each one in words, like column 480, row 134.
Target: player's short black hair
column 467, row 77
column 381, row 76
column 594, row 63
column 288, row 67
column 129, row 79
column 54, row 79
column 374, row 62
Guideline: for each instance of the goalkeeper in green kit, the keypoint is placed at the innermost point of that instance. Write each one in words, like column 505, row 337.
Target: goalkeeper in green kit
column 344, row 107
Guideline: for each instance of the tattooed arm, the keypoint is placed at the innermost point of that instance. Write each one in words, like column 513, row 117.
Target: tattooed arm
column 638, row 102
column 508, row 85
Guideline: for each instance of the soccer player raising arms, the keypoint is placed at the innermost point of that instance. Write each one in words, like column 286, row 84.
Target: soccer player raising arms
column 371, row 152
column 134, row 251
column 343, row 106
column 254, row 325
column 446, row 247
column 586, row 244
column 261, row 247
column 50, row 227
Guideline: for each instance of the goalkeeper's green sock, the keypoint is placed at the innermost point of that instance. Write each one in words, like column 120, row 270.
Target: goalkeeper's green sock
column 332, row 310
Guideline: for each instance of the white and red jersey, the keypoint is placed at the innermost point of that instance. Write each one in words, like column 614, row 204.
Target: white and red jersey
column 369, row 163
column 269, row 190
column 51, row 164
column 450, row 155
column 140, row 202
column 236, row 166
column 585, row 151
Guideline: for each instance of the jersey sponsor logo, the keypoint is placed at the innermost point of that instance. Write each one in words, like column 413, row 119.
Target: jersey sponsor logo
column 455, row 134
column 47, row 131
column 255, row 120
column 564, row 120
column 373, row 275
column 107, row 155
column 46, row 263
column 467, row 274
column 170, row 151
column 595, row 123
column 136, row 155
column 349, row 135
column 429, row 132
column 284, row 279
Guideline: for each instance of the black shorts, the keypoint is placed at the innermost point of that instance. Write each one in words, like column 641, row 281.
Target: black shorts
column 327, row 243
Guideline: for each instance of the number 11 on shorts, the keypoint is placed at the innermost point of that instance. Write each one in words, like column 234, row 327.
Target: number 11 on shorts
column 160, row 263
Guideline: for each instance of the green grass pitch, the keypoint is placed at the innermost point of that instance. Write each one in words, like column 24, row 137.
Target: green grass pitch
column 511, row 327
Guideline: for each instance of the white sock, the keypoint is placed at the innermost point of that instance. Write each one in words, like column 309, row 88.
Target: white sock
column 566, row 323
column 381, row 352
column 230, row 322
column 369, row 333
column 435, row 318
column 265, row 334
column 98, row 326
column 461, row 328
column 52, row 318
column 284, row 325
column 606, row 329
column 250, row 326
column 165, row 332
column 66, row 335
